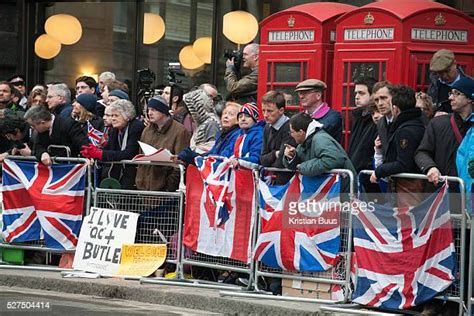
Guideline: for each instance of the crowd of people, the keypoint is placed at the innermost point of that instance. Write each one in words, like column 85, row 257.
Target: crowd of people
column 393, row 129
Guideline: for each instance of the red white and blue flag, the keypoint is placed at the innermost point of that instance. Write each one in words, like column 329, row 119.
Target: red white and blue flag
column 300, row 226
column 43, row 202
column 96, row 137
column 404, row 256
column 220, row 208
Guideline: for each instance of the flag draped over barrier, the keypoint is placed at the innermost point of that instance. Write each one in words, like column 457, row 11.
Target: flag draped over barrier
column 404, row 256
column 300, row 226
column 220, row 208
column 43, row 202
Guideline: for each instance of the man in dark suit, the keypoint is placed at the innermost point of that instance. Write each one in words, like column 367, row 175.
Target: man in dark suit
column 54, row 130
column 404, row 137
column 275, row 134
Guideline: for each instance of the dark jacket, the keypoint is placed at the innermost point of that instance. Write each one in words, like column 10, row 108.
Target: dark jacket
column 439, row 92
column 63, row 110
column 332, row 124
column 97, row 123
column 404, row 137
column 383, row 131
column 319, row 154
column 439, row 145
column 113, row 152
column 273, row 141
column 66, row 132
column 361, row 142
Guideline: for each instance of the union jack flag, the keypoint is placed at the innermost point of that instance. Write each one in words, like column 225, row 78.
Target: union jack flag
column 43, row 202
column 405, row 256
column 220, row 206
column 300, row 229
column 96, row 137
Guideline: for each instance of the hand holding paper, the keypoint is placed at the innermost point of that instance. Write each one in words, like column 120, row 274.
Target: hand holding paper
column 150, row 153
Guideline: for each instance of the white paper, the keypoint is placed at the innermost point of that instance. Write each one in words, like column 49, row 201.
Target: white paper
column 150, row 153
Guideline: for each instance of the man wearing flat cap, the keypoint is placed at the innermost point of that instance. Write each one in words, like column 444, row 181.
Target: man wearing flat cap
column 444, row 73
column 162, row 132
column 310, row 93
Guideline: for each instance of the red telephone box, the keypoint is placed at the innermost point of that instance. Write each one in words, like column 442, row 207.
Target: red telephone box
column 297, row 44
column 394, row 40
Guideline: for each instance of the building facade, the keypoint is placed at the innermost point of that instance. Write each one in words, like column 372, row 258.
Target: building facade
column 112, row 37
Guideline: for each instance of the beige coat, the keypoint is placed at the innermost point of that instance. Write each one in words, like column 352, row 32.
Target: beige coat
column 174, row 137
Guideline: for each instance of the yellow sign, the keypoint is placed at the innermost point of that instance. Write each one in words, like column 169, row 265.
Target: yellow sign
column 141, row 259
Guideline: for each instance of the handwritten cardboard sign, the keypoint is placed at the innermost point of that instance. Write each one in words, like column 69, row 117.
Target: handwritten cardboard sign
column 103, row 233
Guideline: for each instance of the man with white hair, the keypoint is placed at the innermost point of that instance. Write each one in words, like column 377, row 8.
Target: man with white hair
column 243, row 89
column 105, row 77
column 59, row 100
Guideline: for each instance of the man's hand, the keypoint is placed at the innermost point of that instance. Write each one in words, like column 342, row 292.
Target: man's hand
column 373, row 178
column 25, row 151
column 46, row 159
column 433, row 175
column 377, row 144
column 290, row 152
column 229, row 62
column 234, row 162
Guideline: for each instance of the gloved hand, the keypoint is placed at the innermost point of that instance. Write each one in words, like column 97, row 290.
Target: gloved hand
column 91, row 152
column 470, row 167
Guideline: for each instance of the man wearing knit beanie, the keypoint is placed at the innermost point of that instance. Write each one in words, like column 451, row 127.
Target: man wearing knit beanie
column 159, row 104
column 162, row 132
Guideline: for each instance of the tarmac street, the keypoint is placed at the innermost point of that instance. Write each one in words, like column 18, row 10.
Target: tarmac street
column 105, row 296
column 21, row 301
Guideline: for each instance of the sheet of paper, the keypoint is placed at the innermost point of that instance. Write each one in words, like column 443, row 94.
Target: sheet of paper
column 152, row 154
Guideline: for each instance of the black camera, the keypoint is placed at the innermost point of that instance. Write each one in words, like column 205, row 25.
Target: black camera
column 174, row 69
column 146, row 77
column 237, row 55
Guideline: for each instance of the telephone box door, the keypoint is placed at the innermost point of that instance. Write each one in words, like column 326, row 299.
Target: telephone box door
column 379, row 67
column 284, row 73
column 419, row 70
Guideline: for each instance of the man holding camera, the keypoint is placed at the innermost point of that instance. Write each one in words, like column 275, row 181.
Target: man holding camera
column 243, row 90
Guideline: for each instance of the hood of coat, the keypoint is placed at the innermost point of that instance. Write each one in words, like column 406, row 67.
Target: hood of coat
column 200, row 106
column 312, row 128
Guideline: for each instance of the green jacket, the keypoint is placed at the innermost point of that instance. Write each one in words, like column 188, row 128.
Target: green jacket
column 319, row 154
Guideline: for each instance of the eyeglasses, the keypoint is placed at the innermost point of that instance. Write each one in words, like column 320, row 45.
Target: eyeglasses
column 18, row 83
column 455, row 93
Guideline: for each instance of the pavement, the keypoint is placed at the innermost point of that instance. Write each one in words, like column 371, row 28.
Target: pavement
column 190, row 298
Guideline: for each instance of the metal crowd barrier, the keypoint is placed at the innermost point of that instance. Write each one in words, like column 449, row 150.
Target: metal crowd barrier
column 339, row 275
column 455, row 293
column 212, row 262
column 161, row 213
column 39, row 245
